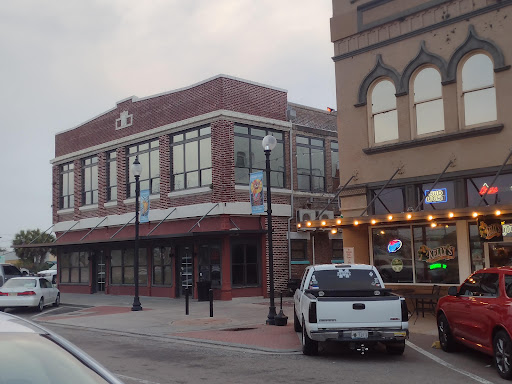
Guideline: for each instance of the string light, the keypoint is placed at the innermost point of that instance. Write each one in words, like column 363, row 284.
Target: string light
column 338, row 221
column 334, row 231
column 324, row 223
column 374, row 222
column 430, row 218
column 308, row 223
column 356, row 222
column 390, row 217
column 475, row 214
column 498, row 213
column 409, row 216
column 433, row 225
column 299, row 225
column 450, row 215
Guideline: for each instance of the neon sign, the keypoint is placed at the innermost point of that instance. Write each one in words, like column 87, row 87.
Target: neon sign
column 437, row 266
column 394, row 246
column 490, row 191
column 436, row 196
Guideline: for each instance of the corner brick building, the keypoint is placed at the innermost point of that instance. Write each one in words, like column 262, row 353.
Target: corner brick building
column 197, row 147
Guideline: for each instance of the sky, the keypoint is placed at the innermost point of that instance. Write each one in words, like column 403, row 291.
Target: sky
column 64, row 62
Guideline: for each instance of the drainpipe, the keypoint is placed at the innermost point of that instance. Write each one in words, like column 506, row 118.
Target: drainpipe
column 313, row 245
column 291, row 114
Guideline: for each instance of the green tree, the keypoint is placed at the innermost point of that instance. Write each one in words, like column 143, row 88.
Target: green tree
column 32, row 258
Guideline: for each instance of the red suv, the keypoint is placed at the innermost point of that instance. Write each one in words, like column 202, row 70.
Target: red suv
column 478, row 314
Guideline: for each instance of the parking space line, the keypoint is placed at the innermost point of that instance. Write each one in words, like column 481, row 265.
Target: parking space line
column 142, row 381
column 447, row 365
column 44, row 313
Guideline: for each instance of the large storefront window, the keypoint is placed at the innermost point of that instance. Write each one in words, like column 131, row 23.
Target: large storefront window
column 122, row 266
column 209, row 264
column 192, row 159
column 149, row 159
column 435, row 254
column 390, row 200
column 392, row 254
column 441, row 197
column 162, row 266
column 310, row 164
column 476, row 248
column 244, row 265
column 74, row 267
column 498, row 192
column 250, row 156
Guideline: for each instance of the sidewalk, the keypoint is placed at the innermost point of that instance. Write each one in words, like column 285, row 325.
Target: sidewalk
column 237, row 323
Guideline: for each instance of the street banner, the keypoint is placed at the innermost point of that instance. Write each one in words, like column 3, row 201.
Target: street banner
column 256, row 189
column 144, row 206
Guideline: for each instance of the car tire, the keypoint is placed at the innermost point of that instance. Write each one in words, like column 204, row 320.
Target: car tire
column 309, row 346
column 397, row 348
column 57, row 300
column 2, row 309
column 40, row 306
column 502, row 346
column 445, row 334
column 296, row 323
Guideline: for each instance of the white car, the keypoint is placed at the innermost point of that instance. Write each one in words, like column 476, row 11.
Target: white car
column 50, row 273
column 34, row 291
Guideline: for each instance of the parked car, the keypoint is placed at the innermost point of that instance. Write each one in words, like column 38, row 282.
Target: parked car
column 478, row 314
column 35, row 292
column 50, row 274
column 44, row 357
column 8, row 271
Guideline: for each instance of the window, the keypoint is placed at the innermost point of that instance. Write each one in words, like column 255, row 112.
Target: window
column 74, row 267
column 310, row 164
column 149, row 159
column 111, row 176
column 390, row 200
column 299, row 250
column 478, row 92
column 497, row 193
column 244, row 265
column 335, row 166
column 209, row 264
column 191, row 159
column 162, row 266
column 384, row 117
column 250, row 156
column 122, row 266
column 508, row 285
column 481, row 284
column 392, row 254
column 476, row 248
column 428, row 102
column 441, row 197
column 67, row 186
column 337, row 249
column 90, row 180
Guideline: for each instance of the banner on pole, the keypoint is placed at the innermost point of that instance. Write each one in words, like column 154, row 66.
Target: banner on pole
column 144, row 206
column 256, row 190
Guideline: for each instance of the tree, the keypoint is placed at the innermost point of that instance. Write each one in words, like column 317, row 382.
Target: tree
column 32, row 258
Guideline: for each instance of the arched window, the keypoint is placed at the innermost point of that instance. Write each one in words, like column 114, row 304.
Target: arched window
column 428, row 102
column 478, row 92
column 384, row 118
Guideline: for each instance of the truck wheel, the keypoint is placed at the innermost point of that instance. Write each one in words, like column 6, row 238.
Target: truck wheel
column 397, row 348
column 445, row 335
column 309, row 347
column 502, row 354
column 296, row 324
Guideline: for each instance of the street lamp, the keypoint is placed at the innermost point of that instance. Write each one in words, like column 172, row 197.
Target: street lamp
column 136, row 171
column 269, row 142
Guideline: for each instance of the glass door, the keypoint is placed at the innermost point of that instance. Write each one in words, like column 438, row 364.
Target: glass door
column 100, row 271
column 186, row 268
column 500, row 254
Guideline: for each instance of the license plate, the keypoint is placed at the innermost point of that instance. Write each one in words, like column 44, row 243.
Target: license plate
column 12, row 294
column 359, row 334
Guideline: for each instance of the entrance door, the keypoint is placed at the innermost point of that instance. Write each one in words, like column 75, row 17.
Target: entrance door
column 185, row 270
column 500, row 254
column 99, row 272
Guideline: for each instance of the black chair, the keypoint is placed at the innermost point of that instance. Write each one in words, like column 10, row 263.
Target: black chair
column 429, row 303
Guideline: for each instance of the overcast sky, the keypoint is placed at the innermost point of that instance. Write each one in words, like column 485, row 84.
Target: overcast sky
column 64, row 62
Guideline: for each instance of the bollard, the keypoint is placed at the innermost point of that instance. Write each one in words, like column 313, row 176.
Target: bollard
column 186, row 301
column 210, row 295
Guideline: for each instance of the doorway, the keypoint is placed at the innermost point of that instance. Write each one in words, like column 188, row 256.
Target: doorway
column 184, row 270
column 500, row 254
column 98, row 271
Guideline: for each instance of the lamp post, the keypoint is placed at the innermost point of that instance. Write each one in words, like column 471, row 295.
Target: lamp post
column 136, row 170
column 269, row 142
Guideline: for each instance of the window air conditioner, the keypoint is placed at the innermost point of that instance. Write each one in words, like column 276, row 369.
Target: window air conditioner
column 305, row 214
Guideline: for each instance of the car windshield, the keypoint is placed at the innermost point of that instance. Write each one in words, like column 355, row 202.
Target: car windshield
column 19, row 283
column 42, row 361
column 345, row 279
column 53, row 267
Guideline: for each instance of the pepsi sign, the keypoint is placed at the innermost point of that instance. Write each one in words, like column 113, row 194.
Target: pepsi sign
column 394, row 246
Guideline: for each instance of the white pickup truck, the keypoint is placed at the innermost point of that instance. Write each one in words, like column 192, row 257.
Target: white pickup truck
column 348, row 303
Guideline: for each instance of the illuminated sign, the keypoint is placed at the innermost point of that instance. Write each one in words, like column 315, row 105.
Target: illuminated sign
column 490, row 229
column 506, row 229
column 490, row 191
column 432, row 255
column 394, row 246
column 436, row 196
column 437, row 266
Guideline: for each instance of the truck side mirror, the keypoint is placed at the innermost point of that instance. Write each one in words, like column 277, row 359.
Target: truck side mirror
column 452, row 291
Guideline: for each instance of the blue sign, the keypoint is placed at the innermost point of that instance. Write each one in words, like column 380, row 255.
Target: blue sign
column 144, row 206
column 256, row 190
column 394, row 246
column 436, row 196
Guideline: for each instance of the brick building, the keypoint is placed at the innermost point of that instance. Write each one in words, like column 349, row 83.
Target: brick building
column 197, row 147
column 425, row 128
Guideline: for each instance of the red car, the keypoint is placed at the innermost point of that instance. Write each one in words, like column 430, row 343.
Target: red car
column 479, row 315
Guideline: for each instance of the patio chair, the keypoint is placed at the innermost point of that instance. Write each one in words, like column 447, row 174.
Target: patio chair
column 430, row 301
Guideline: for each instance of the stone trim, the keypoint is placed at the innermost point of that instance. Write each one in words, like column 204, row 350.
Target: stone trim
column 380, row 70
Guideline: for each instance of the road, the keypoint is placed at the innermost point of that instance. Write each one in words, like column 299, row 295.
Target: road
column 156, row 360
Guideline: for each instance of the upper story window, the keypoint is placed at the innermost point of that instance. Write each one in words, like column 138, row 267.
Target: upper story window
column 90, row 180
column 441, row 197
column 250, row 156
column 384, row 117
column 335, row 165
column 67, row 186
column 149, row 159
column 192, row 158
column 498, row 192
column 112, row 176
column 390, row 200
column 478, row 92
column 428, row 102
column 310, row 164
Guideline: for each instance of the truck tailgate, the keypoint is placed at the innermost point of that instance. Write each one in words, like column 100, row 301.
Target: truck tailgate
column 358, row 311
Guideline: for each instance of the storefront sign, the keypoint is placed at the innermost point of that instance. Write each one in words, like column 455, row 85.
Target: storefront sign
column 256, row 189
column 506, row 230
column 394, row 245
column 397, row 265
column 490, row 191
column 432, row 255
column 348, row 255
column 490, row 229
column 436, row 196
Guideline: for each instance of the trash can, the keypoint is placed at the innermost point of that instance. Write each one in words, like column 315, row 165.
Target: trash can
column 203, row 288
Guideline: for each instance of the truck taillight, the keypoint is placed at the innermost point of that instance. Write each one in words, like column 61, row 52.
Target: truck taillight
column 312, row 312
column 405, row 311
